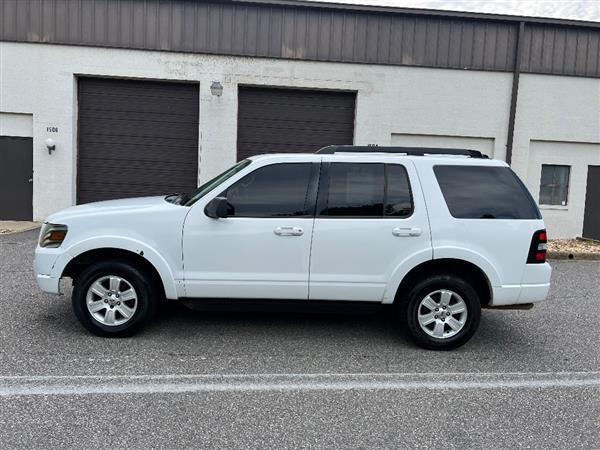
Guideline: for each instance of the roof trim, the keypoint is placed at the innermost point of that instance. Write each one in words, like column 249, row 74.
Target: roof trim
column 418, row 11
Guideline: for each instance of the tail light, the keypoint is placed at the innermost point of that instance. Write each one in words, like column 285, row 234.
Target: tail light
column 539, row 246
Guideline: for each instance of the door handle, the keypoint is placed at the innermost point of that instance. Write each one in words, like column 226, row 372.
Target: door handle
column 406, row 232
column 288, row 231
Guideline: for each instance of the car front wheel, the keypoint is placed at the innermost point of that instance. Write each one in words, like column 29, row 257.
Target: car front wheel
column 113, row 299
column 441, row 312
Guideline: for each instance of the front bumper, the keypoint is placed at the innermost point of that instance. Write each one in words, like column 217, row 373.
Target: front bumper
column 44, row 269
column 48, row 284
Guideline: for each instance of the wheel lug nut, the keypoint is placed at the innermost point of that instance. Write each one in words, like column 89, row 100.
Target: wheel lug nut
column 443, row 320
column 118, row 303
column 435, row 317
column 437, row 309
column 448, row 313
column 105, row 300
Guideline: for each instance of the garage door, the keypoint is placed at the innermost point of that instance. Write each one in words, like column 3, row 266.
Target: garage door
column 292, row 120
column 136, row 138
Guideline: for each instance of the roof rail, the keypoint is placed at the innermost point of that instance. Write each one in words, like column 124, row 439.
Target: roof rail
column 411, row 151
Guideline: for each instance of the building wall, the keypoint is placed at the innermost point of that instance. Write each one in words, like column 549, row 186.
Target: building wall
column 392, row 103
column 558, row 122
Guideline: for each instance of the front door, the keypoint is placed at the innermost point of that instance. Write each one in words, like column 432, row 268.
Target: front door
column 591, row 220
column 368, row 223
column 16, row 177
column 262, row 249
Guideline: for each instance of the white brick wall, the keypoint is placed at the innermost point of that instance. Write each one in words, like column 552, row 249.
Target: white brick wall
column 41, row 80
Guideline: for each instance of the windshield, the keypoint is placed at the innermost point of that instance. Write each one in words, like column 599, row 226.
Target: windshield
column 210, row 185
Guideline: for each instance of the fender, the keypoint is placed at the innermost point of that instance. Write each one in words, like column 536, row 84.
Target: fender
column 473, row 257
column 440, row 253
column 120, row 243
column 405, row 266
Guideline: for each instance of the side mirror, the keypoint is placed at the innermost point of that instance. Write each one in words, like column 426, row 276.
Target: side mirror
column 216, row 208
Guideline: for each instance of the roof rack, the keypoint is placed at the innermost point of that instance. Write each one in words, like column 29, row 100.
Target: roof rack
column 411, row 151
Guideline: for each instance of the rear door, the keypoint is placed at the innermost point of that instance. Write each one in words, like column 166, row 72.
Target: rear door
column 370, row 220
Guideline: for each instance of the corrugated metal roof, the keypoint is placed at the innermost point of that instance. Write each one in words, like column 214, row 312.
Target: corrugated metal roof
column 309, row 31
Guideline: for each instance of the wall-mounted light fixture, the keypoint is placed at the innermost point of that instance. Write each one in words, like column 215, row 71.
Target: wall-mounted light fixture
column 216, row 88
column 50, row 145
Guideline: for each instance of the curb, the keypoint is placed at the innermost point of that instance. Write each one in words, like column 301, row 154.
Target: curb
column 574, row 256
column 9, row 231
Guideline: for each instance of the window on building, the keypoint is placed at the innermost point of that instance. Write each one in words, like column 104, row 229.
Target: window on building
column 554, row 185
column 278, row 190
column 478, row 192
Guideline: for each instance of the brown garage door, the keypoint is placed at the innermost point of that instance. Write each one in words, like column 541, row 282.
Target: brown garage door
column 292, row 120
column 136, row 138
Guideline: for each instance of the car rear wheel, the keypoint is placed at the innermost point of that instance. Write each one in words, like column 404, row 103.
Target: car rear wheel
column 113, row 298
column 441, row 312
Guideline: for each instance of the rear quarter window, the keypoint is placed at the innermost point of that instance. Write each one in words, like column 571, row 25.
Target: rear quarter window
column 479, row 192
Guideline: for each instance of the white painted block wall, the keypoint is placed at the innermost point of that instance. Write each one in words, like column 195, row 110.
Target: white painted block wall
column 41, row 80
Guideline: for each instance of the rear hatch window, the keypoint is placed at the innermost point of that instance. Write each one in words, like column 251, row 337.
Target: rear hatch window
column 479, row 192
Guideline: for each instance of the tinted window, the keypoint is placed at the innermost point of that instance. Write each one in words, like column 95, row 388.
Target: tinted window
column 398, row 196
column 475, row 192
column 355, row 189
column 554, row 186
column 278, row 190
column 216, row 181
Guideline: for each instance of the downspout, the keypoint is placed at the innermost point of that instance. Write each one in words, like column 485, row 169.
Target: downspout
column 514, row 94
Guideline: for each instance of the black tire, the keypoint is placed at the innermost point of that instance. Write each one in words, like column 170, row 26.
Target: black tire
column 409, row 310
column 147, row 298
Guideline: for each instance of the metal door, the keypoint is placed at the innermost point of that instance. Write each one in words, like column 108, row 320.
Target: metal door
column 591, row 218
column 16, row 178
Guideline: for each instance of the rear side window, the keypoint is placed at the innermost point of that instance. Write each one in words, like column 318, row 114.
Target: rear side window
column 398, row 194
column 476, row 192
column 369, row 190
column 356, row 190
column 278, row 190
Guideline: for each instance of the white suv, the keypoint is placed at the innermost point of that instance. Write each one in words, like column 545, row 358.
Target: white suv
column 438, row 233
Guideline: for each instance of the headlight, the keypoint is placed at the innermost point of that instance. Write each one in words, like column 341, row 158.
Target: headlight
column 53, row 235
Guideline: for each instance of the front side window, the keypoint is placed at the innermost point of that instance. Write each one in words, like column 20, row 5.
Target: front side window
column 369, row 190
column 216, row 181
column 278, row 190
column 554, row 185
column 479, row 192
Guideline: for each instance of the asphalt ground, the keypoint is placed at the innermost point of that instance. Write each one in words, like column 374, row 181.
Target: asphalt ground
column 527, row 378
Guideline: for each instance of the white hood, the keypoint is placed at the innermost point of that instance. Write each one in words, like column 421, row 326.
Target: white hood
column 108, row 206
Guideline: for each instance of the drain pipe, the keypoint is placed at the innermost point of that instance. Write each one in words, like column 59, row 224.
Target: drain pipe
column 514, row 94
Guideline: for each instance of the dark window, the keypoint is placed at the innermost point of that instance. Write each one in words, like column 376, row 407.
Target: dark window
column 398, row 196
column 359, row 190
column 476, row 192
column 355, row 189
column 278, row 190
column 554, row 186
